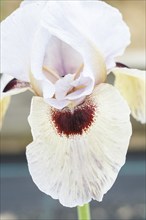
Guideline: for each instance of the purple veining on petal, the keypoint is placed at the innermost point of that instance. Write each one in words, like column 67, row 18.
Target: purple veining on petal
column 15, row 83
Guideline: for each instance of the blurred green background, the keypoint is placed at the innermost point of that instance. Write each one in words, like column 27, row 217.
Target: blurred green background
column 20, row 199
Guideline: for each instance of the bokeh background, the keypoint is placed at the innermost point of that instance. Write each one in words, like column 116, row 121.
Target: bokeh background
column 20, row 198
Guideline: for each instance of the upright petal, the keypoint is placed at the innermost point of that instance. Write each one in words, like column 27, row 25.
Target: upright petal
column 17, row 32
column 76, row 154
column 45, row 44
column 54, row 20
column 53, row 54
column 89, row 24
column 132, row 85
column 62, row 57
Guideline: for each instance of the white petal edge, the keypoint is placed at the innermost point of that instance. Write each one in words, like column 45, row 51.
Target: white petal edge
column 132, row 85
column 79, row 168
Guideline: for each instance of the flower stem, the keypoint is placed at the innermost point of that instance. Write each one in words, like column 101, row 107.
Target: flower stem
column 84, row 212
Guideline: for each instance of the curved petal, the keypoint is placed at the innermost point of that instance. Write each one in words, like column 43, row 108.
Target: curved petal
column 67, row 91
column 55, row 22
column 17, row 32
column 38, row 52
column 132, row 85
column 60, row 59
column 77, row 154
column 90, row 25
column 63, row 86
column 52, row 53
column 83, row 86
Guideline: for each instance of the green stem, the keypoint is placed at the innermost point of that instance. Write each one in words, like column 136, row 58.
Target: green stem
column 84, row 212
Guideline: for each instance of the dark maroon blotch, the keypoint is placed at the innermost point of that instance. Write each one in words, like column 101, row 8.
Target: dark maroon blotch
column 76, row 122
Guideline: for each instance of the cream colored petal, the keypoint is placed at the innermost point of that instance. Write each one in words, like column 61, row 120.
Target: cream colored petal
column 4, row 104
column 76, row 156
column 132, row 85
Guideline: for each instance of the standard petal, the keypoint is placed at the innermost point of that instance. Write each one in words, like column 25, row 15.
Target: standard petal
column 90, row 25
column 132, row 85
column 54, row 20
column 77, row 154
column 17, row 32
column 62, row 57
column 52, row 53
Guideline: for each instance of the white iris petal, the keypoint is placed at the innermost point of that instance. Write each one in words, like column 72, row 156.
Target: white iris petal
column 79, row 35
column 76, row 168
column 81, row 131
column 57, row 60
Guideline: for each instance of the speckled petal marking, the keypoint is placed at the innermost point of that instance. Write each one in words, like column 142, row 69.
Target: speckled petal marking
column 76, row 155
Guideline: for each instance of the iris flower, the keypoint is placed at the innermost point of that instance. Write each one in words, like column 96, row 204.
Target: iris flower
column 63, row 51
